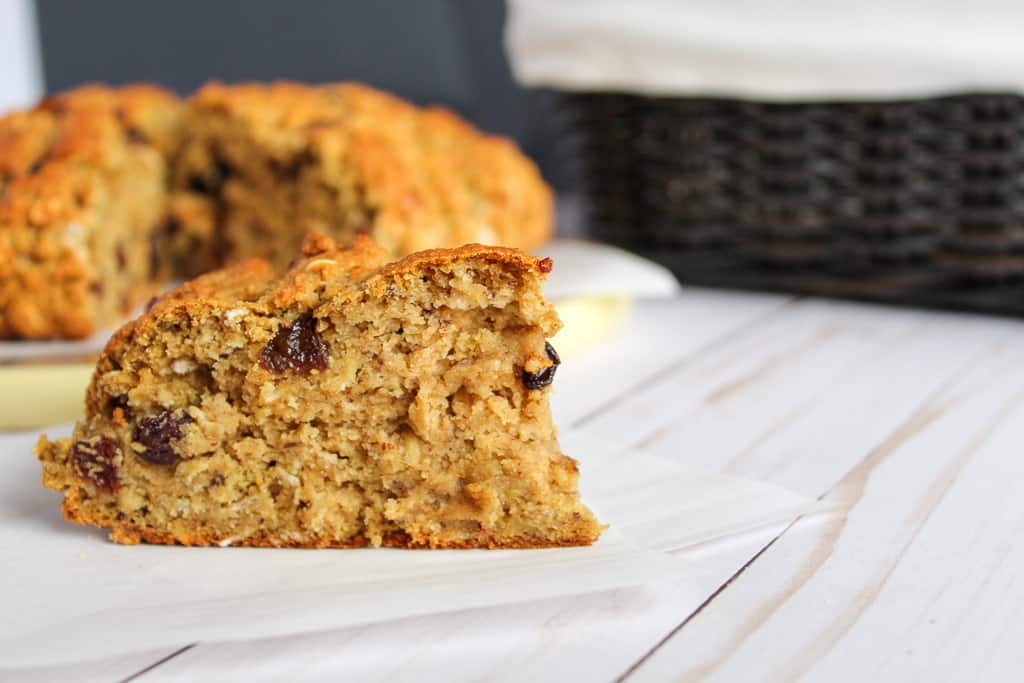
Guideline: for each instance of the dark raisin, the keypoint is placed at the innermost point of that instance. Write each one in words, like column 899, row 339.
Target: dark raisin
column 97, row 288
column 136, row 136
column 217, row 479
column 545, row 265
column 122, row 259
column 539, row 380
column 297, row 347
column 97, row 462
column 156, row 433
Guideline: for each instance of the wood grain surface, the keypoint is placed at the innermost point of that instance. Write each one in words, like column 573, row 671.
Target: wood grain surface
column 906, row 424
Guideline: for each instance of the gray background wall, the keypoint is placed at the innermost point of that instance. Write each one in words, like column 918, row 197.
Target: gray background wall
column 447, row 52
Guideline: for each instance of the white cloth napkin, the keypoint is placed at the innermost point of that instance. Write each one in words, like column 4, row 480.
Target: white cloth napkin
column 21, row 78
column 828, row 49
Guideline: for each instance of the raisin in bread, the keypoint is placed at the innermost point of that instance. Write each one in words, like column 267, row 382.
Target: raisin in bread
column 345, row 402
column 105, row 193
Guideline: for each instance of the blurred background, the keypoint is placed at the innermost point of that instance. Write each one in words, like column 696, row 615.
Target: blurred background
column 447, row 52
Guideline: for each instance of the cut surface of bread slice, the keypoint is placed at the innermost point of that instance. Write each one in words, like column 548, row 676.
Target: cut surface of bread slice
column 342, row 403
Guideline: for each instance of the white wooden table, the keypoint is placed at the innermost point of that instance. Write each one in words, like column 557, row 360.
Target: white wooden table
column 912, row 423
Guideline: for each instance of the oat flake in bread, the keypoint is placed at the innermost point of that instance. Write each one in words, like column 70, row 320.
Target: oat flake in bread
column 345, row 402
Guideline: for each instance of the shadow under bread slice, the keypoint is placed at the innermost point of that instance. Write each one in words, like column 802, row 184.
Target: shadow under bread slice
column 341, row 403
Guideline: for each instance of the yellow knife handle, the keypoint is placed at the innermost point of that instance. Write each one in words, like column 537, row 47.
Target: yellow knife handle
column 587, row 321
column 33, row 396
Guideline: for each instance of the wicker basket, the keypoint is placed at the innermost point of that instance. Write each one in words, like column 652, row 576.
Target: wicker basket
column 916, row 202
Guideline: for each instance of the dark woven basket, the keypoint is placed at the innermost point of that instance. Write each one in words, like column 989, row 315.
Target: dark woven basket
column 916, row 202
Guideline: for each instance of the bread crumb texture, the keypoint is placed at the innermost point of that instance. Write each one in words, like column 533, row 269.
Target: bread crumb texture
column 343, row 402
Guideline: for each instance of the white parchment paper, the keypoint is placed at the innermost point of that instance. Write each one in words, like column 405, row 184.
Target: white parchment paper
column 70, row 595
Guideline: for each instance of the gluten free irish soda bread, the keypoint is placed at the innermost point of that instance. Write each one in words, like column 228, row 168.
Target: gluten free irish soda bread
column 105, row 193
column 345, row 402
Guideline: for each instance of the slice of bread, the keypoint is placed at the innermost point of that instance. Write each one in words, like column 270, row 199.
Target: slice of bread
column 342, row 403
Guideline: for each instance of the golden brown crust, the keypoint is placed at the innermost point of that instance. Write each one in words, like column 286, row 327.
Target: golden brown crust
column 416, row 428
column 132, row 535
column 435, row 257
column 90, row 125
